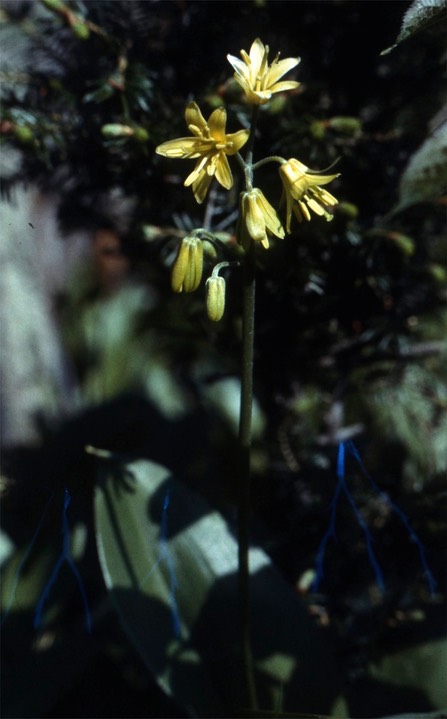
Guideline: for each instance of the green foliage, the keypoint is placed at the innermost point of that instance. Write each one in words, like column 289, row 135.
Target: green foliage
column 421, row 15
column 425, row 177
column 180, row 566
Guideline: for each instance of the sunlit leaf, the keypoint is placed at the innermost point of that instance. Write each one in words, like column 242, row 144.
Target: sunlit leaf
column 170, row 563
column 420, row 667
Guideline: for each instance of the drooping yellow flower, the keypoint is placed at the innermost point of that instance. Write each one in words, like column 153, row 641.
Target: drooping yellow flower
column 210, row 144
column 188, row 266
column 303, row 192
column 258, row 79
column 257, row 218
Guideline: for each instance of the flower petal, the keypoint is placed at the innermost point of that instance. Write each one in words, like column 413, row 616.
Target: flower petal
column 199, row 170
column 193, row 116
column 223, row 171
column 278, row 69
column 271, row 218
column 200, row 187
column 238, row 65
column 235, row 141
column 283, row 86
column 259, row 97
column 257, row 54
column 216, row 122
column 183, row 147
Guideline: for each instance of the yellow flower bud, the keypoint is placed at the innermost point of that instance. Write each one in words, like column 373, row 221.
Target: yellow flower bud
column 188, row 265
column 215, row 298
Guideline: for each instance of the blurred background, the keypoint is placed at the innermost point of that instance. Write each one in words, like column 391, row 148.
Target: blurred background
column 99, row 353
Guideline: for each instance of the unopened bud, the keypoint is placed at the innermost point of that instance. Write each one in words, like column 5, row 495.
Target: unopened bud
column 349, row 125
column 116, row 130
column 215, row 298
column 188, row 265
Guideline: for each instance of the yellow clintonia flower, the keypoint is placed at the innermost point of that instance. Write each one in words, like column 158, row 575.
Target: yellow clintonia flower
column 188, row 265
column 257, row 78
column 215, row 297
column 210, row 144
column 257, row 218
column 303, row 192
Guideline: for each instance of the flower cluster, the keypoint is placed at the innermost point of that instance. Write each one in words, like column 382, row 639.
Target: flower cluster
column 211, row 146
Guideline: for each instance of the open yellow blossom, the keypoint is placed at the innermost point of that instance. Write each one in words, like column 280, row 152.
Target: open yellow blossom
column 210, row 145
column 258, row 79
column 303, row 192
column 257, row 218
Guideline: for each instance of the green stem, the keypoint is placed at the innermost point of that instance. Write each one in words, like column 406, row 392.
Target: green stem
column 245, row 432
column 248, row 315
column 265, row 160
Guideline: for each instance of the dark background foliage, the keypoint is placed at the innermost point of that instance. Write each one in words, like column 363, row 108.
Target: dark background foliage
column 350, row 314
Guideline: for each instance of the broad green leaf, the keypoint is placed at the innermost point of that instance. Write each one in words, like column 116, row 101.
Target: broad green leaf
column 420, row 15
column 425, row 177
column 173, row 566
column 421, row 667
column 22, row 581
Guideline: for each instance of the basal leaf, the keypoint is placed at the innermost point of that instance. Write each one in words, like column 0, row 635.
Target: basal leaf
column 170, row 563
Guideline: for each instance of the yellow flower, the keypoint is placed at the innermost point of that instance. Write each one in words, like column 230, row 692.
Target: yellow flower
column 258, row 217
column 210, row 144
column 188, row 265
column 303, row 192
column 215, row 297
column 257, row 78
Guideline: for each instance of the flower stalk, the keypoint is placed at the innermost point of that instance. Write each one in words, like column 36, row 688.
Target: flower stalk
column 245, row 433
column 245, row 437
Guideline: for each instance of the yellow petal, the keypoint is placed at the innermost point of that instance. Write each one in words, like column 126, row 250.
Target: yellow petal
column 235, row 141
column 216, row 123
column 254, row 218
column 271, row 218
column 179, row 268
column 283, row 86
column 259, row 97
column 200, row 169
column 278, row 69
column 183, row 147
column 200, row 186
column 223, row 171
column 257, row 53
column 193, row 116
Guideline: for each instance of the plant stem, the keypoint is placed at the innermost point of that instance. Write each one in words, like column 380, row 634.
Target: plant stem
column 244, row 464
column 245, row 419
